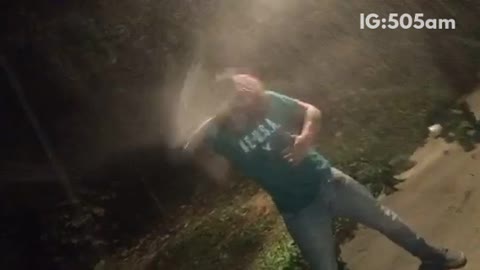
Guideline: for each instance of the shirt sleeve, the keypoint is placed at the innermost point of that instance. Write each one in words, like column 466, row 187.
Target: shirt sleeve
column 288, row 105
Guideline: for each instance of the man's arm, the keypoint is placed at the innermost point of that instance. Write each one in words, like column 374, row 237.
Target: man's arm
column 309, row 114
column 311, row 123
column 311, row 126
column 216, row 166
column 198, row 136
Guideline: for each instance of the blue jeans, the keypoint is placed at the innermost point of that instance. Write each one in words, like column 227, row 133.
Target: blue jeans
column 342, row 196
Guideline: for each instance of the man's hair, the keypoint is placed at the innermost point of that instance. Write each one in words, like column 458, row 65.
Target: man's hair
column 248, row 82
column 231, row 81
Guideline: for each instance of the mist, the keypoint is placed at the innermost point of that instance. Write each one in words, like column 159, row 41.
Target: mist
column 316, row 50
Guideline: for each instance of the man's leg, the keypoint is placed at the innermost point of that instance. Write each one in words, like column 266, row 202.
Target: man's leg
column 311, row 229
column 353, row 200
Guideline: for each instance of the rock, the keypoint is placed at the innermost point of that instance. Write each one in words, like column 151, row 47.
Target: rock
column 435, row 130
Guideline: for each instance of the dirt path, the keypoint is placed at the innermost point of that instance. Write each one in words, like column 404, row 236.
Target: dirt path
column 440, row 200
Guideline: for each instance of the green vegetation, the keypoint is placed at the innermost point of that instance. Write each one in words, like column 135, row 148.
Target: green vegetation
column 461, row 126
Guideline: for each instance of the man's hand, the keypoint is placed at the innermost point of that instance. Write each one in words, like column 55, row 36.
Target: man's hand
column 298, row 151
column 303, row 142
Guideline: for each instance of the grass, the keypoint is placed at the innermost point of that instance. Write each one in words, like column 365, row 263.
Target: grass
column 228, row 237
column 236, row 236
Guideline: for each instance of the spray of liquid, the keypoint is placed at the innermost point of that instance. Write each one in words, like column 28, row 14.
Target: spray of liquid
column 312, row 50
column 197, row 100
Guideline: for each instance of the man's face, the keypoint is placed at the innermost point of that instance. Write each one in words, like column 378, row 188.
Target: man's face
column 244, row 100
column 247, row 93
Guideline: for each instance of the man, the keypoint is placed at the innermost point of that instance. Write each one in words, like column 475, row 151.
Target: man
column 268, row 137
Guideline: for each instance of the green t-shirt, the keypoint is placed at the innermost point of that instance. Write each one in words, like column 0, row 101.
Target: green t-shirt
column 257, row 153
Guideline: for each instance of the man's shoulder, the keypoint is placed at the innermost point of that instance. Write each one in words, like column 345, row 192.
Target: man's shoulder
column 276, row 94
column 271, row 92
column 272, row 95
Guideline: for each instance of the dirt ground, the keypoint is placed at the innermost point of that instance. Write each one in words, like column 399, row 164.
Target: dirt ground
column 440, row 199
